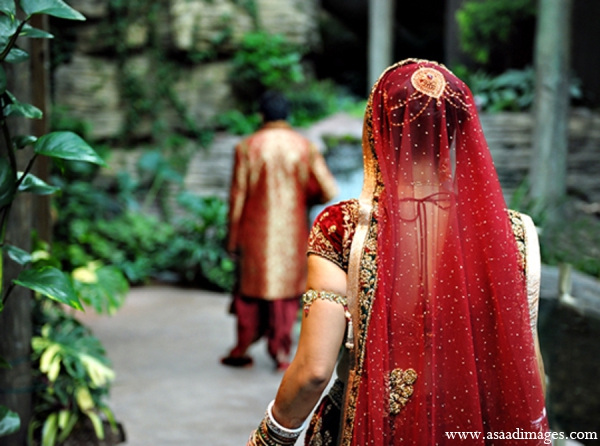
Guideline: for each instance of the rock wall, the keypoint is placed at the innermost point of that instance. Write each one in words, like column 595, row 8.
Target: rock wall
column 508, row 135
column 509, row 139
column 89, row 86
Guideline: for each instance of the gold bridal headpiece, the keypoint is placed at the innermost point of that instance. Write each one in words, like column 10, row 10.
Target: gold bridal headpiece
column 429, row 81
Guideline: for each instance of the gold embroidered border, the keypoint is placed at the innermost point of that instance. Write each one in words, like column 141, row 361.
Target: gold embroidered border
column 534, row 270
column 518, row 229
column 319, row 245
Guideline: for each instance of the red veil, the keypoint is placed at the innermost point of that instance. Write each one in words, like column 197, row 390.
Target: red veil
column 443, row 340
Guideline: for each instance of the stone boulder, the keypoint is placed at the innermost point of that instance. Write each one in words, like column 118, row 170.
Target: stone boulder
column 204, row 92
column 88, row 89
column 92, row 39
column 197, row 24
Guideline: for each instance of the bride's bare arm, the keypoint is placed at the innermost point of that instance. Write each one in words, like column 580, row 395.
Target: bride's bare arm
column 323, row 328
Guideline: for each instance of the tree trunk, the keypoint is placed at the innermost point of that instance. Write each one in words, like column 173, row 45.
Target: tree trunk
column 548, row 169
column 40, row 97
column 453, row 55
column 381, row 38
column 15, row 319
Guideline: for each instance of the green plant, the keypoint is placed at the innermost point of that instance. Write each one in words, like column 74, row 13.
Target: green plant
column 109, row 226
column 133, row 242
column 574, row 239
column 200, row 243
column 238, row 123
column 160, row 172
column 314, row 100
column 47, row 281
column 485, row 25
column 104, row 288
column 265, row 61
column 513, row 90
column 72, row 376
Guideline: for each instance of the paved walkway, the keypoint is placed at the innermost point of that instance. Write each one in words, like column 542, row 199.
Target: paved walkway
column 170, row 389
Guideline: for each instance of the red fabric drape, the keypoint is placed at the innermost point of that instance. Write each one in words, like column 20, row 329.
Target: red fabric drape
column 448, row 344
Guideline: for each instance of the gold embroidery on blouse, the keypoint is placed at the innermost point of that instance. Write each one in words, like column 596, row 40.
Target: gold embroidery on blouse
column 320, row 436
column 519, row 233
column 336, row 393
column 366, row 293
column 350, row 217
column 367, row 290
column 319, row 244
column 400, row 388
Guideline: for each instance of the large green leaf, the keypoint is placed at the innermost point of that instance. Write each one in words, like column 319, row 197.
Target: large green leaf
column 19, row 255
column 30, row 31
column 33, row 184
column 7, row 182
column 67, row 145
column 56, row 8
column 22, row 141
column 50, row 282
column 104, row 288
column 9, row 422
column 50, row 429
column 8, row 25
column 24, row 110
column 17, row 55
column 8, row 7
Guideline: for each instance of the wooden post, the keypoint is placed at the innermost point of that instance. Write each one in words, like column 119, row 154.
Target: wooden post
column 381, row 37
column 15, row 319
column 453, row 55
column 548, row 168
column 40, row 97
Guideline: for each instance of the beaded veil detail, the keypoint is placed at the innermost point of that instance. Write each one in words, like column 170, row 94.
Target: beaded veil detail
column 448, row 302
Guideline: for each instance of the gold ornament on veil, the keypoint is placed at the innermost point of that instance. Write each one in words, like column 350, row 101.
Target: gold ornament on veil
column 429, row 81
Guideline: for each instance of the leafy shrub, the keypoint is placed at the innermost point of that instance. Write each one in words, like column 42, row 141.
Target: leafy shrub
column 199, row 248
column 264, row 61
column 575, row 240
column 513, row 90
column 238, row 123
column 99, row 233
column 309, row 102
column 72, row 376
column 485, row 25
column 133, row 242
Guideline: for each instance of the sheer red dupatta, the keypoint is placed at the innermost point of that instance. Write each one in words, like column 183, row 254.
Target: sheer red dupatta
column 447, row 343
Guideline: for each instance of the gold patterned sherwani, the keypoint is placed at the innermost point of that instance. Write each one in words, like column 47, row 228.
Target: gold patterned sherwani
column 277, row 175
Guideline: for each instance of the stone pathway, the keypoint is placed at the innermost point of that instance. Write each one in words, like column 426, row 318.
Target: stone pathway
column 170, row 389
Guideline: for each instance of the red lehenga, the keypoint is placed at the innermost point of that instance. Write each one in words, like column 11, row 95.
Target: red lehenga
column 443, row 341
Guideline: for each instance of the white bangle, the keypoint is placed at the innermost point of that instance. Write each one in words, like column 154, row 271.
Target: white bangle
column 278, row 428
